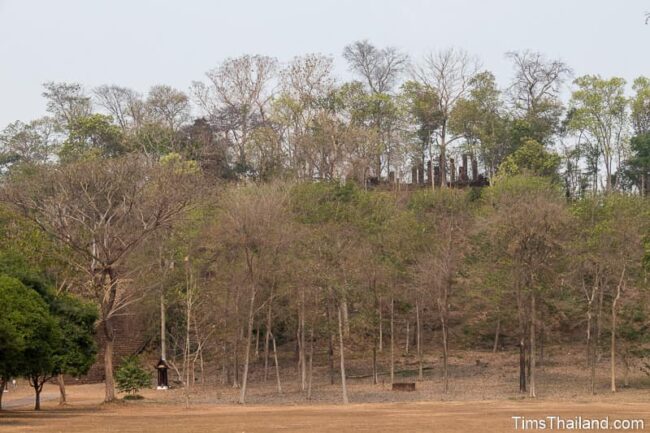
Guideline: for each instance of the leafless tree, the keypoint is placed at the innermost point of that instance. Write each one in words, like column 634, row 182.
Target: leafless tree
column 124, row 104
column 67, row 102
column 379, row 67
column 449, row 73
column 237, row 97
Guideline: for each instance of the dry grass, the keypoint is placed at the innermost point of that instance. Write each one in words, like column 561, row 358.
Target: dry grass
column 481, row 399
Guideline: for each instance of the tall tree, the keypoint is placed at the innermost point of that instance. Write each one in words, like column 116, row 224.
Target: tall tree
column 535, row 94
column 600, row 116
column 102, row 211
column 449, row 73
column 237, row 98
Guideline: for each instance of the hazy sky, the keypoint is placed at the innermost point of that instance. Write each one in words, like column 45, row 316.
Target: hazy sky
column 139, row 43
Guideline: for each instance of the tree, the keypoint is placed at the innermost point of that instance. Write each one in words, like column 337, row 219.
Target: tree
column 641, row 105
column 29, row 336
column 168, row 106
column 600, row 117
column 130, row 377
column 302, row 113
column 67, row 102
column 533, row 160
column 534, row 93
column 236, row 100
column 446, row 220
column 31, row 143
column 380, row 68
column 480, row 118
column 78, row 349
column 449, row 73
column 527, row 226
column 255, row 230
column 637, row 166
column 93, row 136
column 118, row 204
column 421, row 106
column 124, row 105
column 24, row 323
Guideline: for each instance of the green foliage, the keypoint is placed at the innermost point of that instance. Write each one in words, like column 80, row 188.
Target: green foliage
column 70, row 347
column 78, row 348
column 641, row 105
column 531, row 159
column 421, row 104
column 93, row 136
column 130, row 377
column 29, row 335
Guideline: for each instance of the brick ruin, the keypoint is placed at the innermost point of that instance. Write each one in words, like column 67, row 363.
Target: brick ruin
column 458, row 177
column 130, row 339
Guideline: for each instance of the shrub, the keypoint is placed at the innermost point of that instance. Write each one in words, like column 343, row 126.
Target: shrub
column 130, row 377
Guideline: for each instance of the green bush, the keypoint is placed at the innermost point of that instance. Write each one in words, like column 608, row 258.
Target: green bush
column 130, row 377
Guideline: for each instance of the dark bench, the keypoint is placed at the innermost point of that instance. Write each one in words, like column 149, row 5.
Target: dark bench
column 404, row 386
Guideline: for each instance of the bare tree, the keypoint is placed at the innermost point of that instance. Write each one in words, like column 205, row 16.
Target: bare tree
column 255, row 225
column 169, row 106
column 124, row 104
column 102, row 210
column 449, row 73
column 380, row 68
column 535, row 91
column 237, row 97
column 67, row 102
column 447, row 220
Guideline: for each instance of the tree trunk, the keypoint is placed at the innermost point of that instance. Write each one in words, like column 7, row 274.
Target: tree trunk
column 442, row 308
column 344, row 387
column 235, row 355
column 266, row 342
column 163, row 335
column 418, row 330
column 249, row 337
column 346, row 319
column 445, row 357
column 532, row 346
column 257, row 343
column 107, row 306
column 406, row 345
column 62, row 396
column 375, row 340
column 599, row 321
column 303, row 358
column 109, row 382
column 330, row 348
column 613, row 343
column 522, row 364
column 541, row 339
column 381, row 328
column 311, row 362
column 443, row 156
column 277, row 365
column 3, row 385
column 392, row 340
column 591, row 361
column 496, row 335
column 37, row 399
column 188, row 327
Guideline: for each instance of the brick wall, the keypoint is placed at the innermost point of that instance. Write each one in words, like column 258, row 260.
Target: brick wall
column 130, row 339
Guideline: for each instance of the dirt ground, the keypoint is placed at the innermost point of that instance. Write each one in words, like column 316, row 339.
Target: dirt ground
column 482, row 398
column 85, row 415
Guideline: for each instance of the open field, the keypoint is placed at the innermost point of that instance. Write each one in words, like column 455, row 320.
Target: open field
column 84, row 416
column 481, row 399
